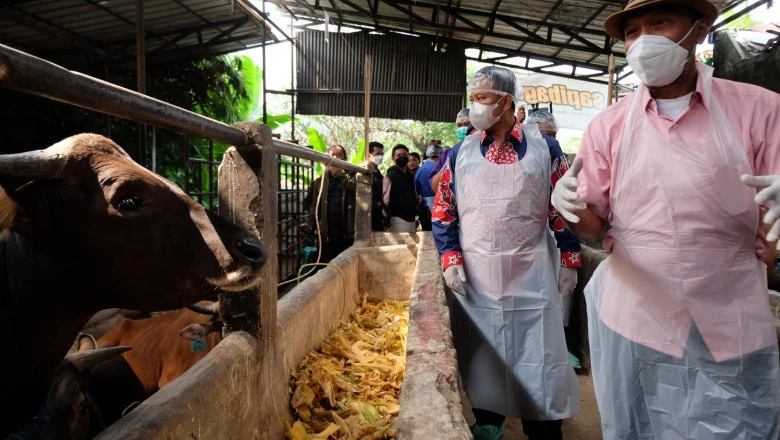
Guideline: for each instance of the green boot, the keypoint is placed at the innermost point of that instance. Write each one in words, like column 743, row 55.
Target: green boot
column 574, row 361
column 488, row 432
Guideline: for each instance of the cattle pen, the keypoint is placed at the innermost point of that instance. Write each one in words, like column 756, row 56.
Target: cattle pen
column 240, row 389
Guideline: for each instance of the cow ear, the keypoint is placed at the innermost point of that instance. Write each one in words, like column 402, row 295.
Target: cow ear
column 192, row 331
column 8, row 210
column 15, row 214
column 36, row 207
column 85, row 342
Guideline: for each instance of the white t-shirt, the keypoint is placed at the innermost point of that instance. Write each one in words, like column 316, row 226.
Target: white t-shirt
column 674, row 107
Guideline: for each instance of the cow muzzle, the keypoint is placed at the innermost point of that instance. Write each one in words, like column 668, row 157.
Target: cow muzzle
column 237, row 280
column 249, row 256
column 252, row 250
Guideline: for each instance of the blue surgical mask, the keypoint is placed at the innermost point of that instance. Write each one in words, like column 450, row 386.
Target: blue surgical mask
column 462, row 132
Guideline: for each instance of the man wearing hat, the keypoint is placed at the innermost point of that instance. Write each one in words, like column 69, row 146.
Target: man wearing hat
column 683, row 344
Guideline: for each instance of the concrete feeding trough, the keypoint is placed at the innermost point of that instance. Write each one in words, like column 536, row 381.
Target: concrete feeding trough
column 240, row 390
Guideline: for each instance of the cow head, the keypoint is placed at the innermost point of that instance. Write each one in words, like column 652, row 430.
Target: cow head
column 125, row 236
column 200, row 330
column 72, row 413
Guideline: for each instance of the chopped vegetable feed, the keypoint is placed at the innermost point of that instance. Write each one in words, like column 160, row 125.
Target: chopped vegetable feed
column 349, row 388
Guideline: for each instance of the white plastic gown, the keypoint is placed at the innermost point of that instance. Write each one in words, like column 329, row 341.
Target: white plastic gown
column 508, row 328
column 682, row 340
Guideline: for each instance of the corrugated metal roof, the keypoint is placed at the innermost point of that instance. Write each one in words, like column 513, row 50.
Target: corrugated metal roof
column 559, row 32
column 524, row 32
column 409, row 79
column 77, row 32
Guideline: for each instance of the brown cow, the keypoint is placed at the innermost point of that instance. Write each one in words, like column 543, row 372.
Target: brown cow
column 94, row 388
column 85, row 228
column 160, row 351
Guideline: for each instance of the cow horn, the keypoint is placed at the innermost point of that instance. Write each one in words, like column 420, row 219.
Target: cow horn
column 33, row 165
column 211, row 309
column 87, row 359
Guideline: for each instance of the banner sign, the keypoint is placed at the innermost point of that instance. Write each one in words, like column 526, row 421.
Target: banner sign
column 574, row 102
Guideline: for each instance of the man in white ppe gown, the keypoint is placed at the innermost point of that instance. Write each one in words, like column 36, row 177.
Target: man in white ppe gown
column 490, row 221
column 682, row 339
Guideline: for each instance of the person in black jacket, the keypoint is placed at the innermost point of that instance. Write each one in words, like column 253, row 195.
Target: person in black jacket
column 336, row 208
column 398, row 193
column 376, row 155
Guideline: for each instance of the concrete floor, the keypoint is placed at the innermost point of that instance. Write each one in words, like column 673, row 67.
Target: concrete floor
column 585, row 425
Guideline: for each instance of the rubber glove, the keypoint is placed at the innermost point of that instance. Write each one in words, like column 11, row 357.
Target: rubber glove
column 770, row 192
column 567, row 281
column 455, row 276
column 564, row 197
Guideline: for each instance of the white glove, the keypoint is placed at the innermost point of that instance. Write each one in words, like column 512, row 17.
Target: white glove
column 455, row 276
column 567, row 280
column 564, row 196
column 770, row 192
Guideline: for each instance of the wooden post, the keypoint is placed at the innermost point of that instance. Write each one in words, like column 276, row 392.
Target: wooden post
column 611, row 88
column 265, row 84
column 367, row 103
column 247, row 196
column 363, row 210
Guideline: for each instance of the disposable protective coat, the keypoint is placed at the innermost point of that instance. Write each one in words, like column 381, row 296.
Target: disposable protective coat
column 508, row 327
column 684, row 228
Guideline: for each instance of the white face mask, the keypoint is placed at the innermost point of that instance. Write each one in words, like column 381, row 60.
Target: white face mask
column 378, row 159
column 481, row 115
column 657, row 60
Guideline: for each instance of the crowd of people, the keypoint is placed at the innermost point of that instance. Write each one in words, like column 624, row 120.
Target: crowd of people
column 682, row 341
column 402, row 197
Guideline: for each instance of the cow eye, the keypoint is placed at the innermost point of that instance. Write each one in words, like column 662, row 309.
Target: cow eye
column 129, row 203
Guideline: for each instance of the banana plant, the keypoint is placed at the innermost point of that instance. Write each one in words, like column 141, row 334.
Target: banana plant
column 361, row 152
column 318, row 143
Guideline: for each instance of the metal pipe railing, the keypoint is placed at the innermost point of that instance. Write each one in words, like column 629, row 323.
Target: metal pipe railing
column 26, row 73
column 289, row 149
column 29, row 74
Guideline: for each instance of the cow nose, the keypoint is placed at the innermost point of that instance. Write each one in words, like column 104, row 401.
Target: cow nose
column 252, row 249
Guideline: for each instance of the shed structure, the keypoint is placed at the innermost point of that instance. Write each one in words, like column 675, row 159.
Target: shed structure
column 88, row 34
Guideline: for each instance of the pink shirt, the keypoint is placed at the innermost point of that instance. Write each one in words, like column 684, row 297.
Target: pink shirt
column 753, row 111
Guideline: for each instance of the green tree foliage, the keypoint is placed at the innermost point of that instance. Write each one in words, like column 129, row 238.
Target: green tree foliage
column 275, row 121
column 742, row 22
column 224, row 88
column 349, row 132
column 571, row 144
column 361, row 152
column 318, row 143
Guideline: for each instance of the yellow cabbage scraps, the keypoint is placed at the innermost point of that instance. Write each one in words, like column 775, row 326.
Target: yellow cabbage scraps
column 349, row 388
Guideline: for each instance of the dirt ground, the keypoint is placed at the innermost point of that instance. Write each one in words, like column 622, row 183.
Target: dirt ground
column 585, row 425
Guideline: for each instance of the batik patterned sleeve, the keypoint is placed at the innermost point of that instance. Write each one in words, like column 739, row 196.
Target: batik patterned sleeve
column 568, row 243
column 444, row 217
column 439, row 165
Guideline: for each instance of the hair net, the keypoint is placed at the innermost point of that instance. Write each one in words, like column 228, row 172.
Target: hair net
column 434, row 150
column 498, row 80
column 463, row 113
column 540, row 116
